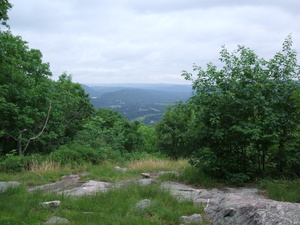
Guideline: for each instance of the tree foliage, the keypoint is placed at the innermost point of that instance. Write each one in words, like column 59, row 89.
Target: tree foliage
column 36, row 112
column 246, row 114
column 5, row 6
column 174, row 130
column 243, row 119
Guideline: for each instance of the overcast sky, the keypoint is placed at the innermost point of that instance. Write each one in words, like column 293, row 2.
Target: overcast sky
column 149, row 41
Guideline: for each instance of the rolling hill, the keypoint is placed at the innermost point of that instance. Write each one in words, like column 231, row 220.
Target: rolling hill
column 143, row 102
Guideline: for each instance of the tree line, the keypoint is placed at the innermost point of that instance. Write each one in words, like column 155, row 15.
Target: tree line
column 242, row 121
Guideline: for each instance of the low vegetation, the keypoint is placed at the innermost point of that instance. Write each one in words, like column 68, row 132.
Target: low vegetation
column 17, row 206
column 117, row 206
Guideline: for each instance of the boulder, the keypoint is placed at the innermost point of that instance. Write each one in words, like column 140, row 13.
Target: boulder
column 88, row 188
column 56, row 220
column 67, row 182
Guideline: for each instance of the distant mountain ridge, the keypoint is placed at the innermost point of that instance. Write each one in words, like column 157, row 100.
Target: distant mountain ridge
column 143, row 102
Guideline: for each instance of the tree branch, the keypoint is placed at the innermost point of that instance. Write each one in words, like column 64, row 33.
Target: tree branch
column 33, row 138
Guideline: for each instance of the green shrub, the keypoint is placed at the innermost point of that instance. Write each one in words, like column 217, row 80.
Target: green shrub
column 11, row 163
column 237, row 178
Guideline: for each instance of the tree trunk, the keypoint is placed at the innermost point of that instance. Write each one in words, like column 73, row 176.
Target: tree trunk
column 20, row 144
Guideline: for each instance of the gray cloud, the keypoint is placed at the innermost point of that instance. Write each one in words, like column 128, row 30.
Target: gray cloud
column 148, row 41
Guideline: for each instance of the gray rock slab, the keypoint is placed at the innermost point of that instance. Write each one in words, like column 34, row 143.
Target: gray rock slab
column 232, row 206
column 119, row 169
column 143, row 181
column 147, row 181
column 88, row 188
column 181, row 191
column 67, row 182
column 6, row 184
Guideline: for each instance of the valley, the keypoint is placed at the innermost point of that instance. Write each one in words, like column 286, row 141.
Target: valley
column 143, row 102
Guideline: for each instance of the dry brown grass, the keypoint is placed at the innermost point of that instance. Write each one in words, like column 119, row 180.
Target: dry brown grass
column 48, row 165
column 158, row 165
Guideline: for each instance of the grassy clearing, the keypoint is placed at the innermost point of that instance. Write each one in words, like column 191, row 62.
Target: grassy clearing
column 117, row 206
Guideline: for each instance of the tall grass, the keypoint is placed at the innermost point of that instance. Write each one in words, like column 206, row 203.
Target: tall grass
column 42, row 172
column 47, row 165
column 282, row 190
column 157, row 164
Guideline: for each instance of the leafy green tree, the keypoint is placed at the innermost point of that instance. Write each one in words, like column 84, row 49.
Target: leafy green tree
column 37, row 114
column 140, row 138
column 173, row 131
column 284, row 71
column 148, row 138
column 5, row 6
column 71, row 107
column 244, row 113
column 134, row 141
column 24, row 85
column 105, row 129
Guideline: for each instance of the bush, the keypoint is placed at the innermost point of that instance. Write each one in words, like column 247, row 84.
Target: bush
column 78, row 154
column 11, row 163
column 237, row 178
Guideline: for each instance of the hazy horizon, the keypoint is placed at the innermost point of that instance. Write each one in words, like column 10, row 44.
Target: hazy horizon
column 149, row 41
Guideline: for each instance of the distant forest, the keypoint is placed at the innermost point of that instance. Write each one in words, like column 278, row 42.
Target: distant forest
column 142, row 102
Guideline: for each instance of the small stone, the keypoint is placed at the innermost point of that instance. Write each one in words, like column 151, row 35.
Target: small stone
column 145, row 175
column 191, row 219
column 55, row 220
column 119, row 169
column 147, row 181
column 143, row 204
column 51, row 204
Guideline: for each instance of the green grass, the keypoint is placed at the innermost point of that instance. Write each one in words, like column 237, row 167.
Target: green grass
column 192, row 176
column 282, row 190
column 17, row 206
column 40, row 176
column 117, row 206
